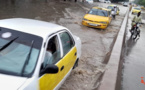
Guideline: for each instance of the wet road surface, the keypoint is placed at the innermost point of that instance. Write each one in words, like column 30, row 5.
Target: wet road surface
column 134, row 61
column 96, row 43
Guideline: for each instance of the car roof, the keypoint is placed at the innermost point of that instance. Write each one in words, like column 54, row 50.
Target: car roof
column 35, row 27
column 137, row 7
column 112, row 5
column 101, row 8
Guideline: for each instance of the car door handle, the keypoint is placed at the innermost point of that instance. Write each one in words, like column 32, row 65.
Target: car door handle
column 62, row 68
column 75, row 53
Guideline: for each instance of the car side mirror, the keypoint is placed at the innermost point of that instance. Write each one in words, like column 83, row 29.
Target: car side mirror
column 51, row 69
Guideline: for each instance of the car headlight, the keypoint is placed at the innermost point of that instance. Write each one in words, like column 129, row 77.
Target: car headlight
column 85, row 19
column 104, row 22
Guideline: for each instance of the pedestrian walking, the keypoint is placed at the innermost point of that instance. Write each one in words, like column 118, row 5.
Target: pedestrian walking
column 130, row 8
column 115, row 9
column 113, row 13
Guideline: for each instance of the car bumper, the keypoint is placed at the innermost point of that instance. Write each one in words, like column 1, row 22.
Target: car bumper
column 94, row 25
column 117, row 13
column 135, row 12
column 125, row 5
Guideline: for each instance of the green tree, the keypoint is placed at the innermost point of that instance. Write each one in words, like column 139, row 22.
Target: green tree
column 119, row 0
column 140, row 2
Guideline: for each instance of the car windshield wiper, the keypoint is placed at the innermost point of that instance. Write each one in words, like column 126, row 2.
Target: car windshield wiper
column 7, row 44
column 27, row 58
column 104, row 13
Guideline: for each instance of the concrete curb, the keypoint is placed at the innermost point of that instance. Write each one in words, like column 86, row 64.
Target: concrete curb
column 109, row 79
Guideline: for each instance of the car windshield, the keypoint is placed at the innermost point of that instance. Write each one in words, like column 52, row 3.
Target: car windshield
column 110, row 7
column 14, row 49
column 137, row 8
column 126, row 3
column 98, row 12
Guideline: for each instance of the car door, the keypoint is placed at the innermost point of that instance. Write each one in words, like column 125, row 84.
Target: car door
column 52, row 56
column 69, row 51
column 118, row 10
column 109, row 16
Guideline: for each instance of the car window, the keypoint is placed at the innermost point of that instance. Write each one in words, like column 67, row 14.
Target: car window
column 19, row 57
column 67, row 42
column 125, row 3
column 109, row 12
column 98, row 12
column 110, row 7
column 118, row 9
column 52, row 54
column 137, row 8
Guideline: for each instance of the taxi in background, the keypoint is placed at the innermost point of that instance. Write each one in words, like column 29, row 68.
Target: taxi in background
column 97, row 18
column 142, row 7
column 110, row 7
column 136, row 10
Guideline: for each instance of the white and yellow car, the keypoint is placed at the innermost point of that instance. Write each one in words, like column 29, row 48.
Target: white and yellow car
column 36, row 55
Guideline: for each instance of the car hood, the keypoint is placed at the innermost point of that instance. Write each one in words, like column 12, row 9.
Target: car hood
column 96, row 18
column 9, row 82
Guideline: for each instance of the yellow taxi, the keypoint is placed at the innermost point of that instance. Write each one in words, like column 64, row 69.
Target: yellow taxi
column 136, row 10
column 97, row 18
column 142, row 7
column 112, row 6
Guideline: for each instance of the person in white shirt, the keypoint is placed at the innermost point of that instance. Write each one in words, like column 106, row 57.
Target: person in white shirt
column 113, row 13
column 115, row 9
column 48, row 55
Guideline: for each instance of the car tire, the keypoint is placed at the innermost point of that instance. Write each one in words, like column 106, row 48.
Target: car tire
column 76, row 64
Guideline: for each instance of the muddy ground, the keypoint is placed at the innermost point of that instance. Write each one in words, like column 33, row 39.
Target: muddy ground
column 96, row 43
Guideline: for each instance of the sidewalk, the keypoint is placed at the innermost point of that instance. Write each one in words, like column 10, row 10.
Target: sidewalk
column 134, row 61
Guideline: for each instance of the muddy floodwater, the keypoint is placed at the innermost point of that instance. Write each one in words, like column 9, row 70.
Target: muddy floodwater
column 96, row 43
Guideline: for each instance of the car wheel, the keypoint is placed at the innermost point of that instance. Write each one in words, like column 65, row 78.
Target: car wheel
column 76, row 64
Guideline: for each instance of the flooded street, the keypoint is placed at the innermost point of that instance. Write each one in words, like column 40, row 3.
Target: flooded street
column 96, row 43
column 134, row 60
